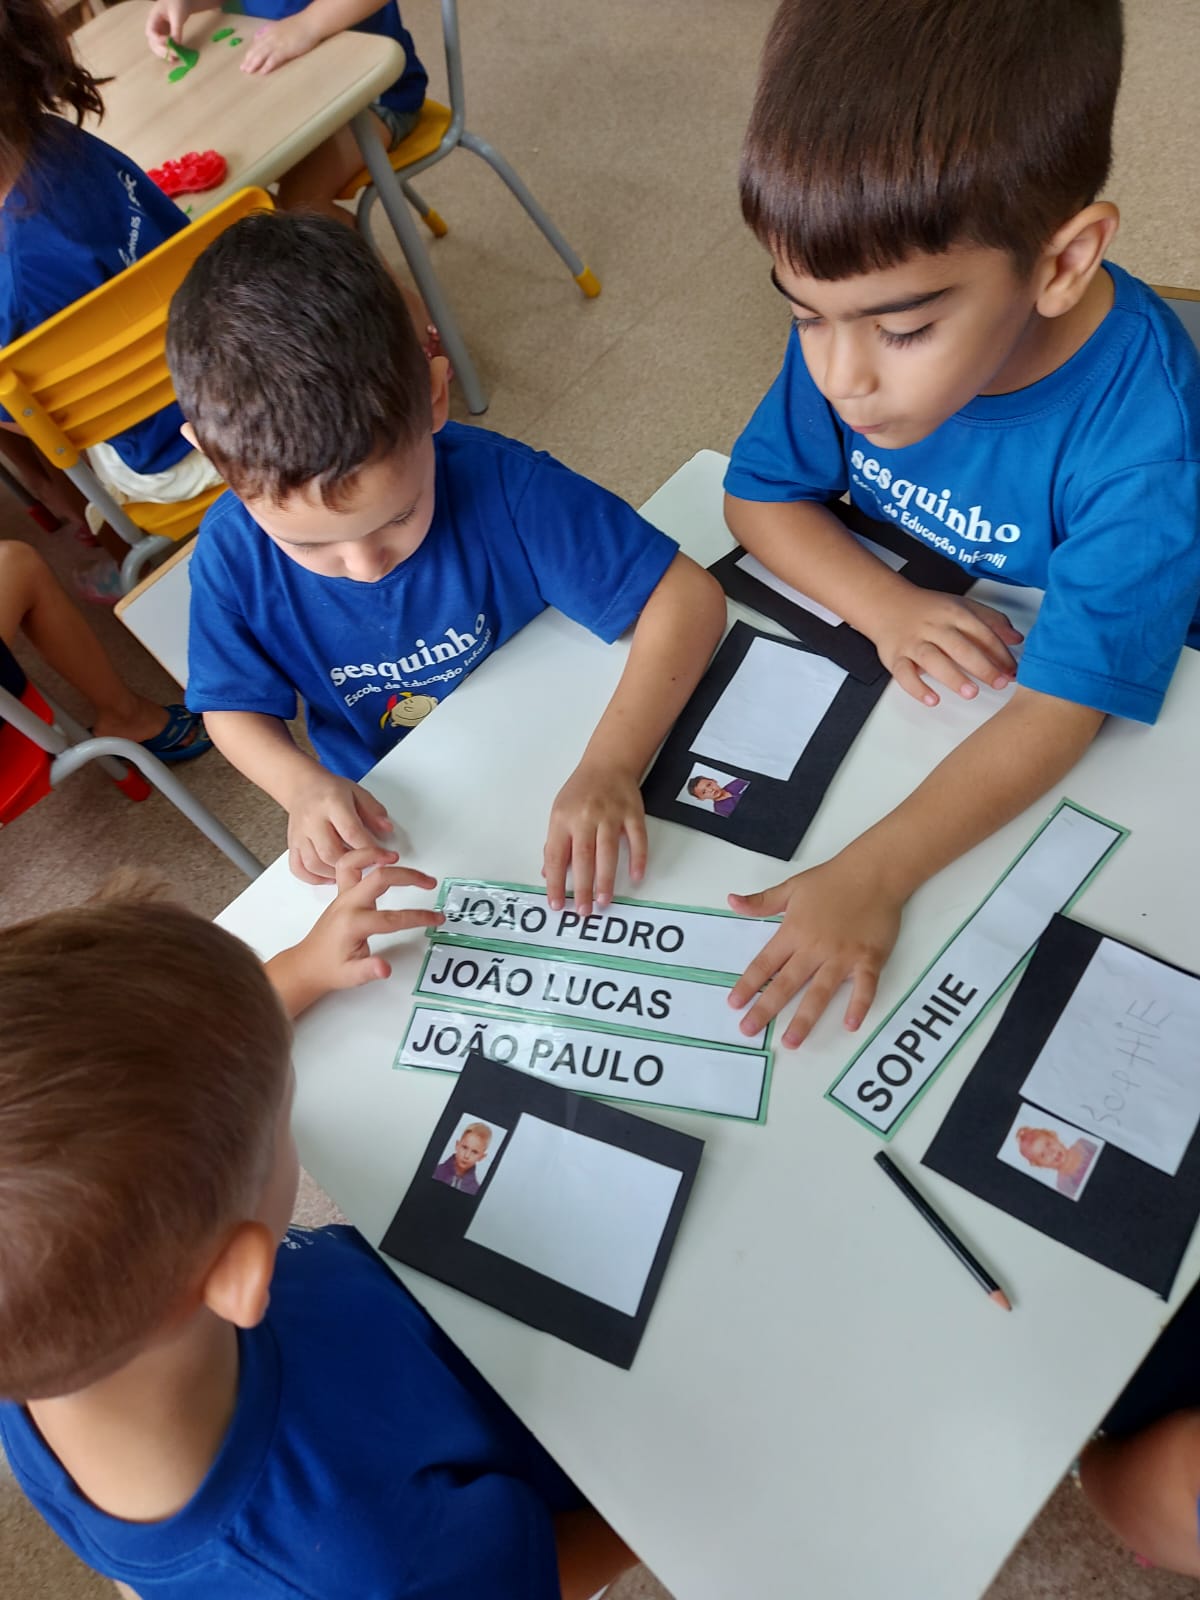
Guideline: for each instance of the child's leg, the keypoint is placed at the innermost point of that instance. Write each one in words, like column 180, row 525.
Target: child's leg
column 1146, row 1489
column 33, row 602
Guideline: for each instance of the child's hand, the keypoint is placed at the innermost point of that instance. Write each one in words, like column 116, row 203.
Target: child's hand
column 949, row 639
column 327, row 816
column 278, row 42
column 592, row 810
column 335, row 953
column 838, row 924
column 164, row 21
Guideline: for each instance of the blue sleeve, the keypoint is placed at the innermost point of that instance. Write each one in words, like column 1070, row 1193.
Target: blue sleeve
column 1121, row 592
column 593, row 558
column 492, row 1536
column 228, row 668
column 792, row 448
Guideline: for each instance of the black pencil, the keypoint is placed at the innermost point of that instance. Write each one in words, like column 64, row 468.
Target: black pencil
column 943, row 1231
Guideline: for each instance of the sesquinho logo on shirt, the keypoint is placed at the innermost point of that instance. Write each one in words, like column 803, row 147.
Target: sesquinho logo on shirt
column 897, row 496
column 426, row 664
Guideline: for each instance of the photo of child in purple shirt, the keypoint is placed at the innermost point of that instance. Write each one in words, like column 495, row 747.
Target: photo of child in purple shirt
column 458, row 1169
column 716, row 790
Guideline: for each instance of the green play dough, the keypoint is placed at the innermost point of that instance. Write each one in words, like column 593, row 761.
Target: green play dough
column 187, row 56
column 221, row 33
column 235, row 41
column 178, row 72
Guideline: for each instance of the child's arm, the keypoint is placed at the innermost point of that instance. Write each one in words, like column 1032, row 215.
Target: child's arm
column 1146, row 1488
column 335, row 953
column 277, row 42
column 166, row 18
column 951, row 639
column 590, row 1555
column 675, row 635
column 842, row 918
column 327, row 815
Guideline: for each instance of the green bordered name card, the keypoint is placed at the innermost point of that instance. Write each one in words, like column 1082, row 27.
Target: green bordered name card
column 910, row 1047
column 644, row 935
column 626, row 1067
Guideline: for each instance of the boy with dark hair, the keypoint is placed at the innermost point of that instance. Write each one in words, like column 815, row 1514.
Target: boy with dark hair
column 372, row 553
column 966, row 365
column 196, row 1411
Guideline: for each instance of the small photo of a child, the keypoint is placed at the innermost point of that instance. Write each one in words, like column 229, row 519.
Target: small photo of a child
column 469, row 1154
column 1054, row 1152
column 711, row 790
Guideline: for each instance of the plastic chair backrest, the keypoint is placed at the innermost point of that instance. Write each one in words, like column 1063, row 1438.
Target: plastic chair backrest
column 24, row 766
column 99, row 366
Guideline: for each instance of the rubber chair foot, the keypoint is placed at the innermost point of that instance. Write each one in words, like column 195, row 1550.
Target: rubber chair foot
column 435, row 223
column 133, row 786
column 589, row 283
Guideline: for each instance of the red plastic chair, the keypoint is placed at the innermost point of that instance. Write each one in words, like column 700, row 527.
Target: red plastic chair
column 36, row 754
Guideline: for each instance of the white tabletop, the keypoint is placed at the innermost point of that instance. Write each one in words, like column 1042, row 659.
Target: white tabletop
column 821, row 1388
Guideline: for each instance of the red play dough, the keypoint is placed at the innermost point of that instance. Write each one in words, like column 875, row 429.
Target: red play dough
column 191, row 174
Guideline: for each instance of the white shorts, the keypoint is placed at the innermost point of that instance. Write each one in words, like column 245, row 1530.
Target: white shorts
column 189, row 477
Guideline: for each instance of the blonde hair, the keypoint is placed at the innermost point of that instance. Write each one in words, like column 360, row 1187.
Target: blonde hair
column 481, row 1128
column 143, row 1058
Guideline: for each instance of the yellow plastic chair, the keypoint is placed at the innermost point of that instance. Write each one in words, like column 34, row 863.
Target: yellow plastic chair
column 99, row 366
column 440, row 130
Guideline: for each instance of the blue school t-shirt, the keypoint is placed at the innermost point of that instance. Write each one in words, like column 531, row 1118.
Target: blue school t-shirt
column 408, row 91
column 513, row 531
column 78, row 215
column 1085, row 484
column 365, row 1458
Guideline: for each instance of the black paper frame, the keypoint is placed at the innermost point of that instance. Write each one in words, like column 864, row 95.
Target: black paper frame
column 1130, row 1216
column 429, row 1228
column 773, row 814
column 841, row 643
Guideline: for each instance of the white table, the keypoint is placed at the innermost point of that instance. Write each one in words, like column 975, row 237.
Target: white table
column 823, row 1397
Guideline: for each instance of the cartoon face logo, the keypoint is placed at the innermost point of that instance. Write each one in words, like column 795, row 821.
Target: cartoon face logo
column 405, row 710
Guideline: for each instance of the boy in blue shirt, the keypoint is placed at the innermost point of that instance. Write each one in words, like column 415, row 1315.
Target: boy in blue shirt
column 371, row 553
column 197, row 1412
column 966, row 365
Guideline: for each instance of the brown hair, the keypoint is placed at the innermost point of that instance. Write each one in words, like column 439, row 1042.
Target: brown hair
column 38, row 74
column 886, row 127
column 294, row 357
column 143, row 1060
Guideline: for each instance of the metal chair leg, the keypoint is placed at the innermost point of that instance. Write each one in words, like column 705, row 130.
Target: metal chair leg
column 401, row 218
column 425, row 211
column 578, row 268
column 165, row 781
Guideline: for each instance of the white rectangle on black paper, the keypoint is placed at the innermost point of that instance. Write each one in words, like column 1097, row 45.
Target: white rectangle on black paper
column 585, row 1213
column 1123, row 1059
column 773, row 705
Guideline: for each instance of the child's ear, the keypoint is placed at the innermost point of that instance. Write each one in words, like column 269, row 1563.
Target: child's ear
column 238, row 1286
column 1072, row 258
column 189, row 433
column 439, row 389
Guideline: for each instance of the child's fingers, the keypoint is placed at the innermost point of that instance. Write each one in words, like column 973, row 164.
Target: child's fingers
column 862, row 995
column 825, row 983
column 997, row 621
column 904, row 670
column 639, row 847
column 307, row 865
column 373, row 812
column 770, row 959
column 374, row 922
column 583, row 870
column 978, row 650
column 555, row 859
column 608, row 857
column 367, row 970
column 349, row 868
column 766, row 902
